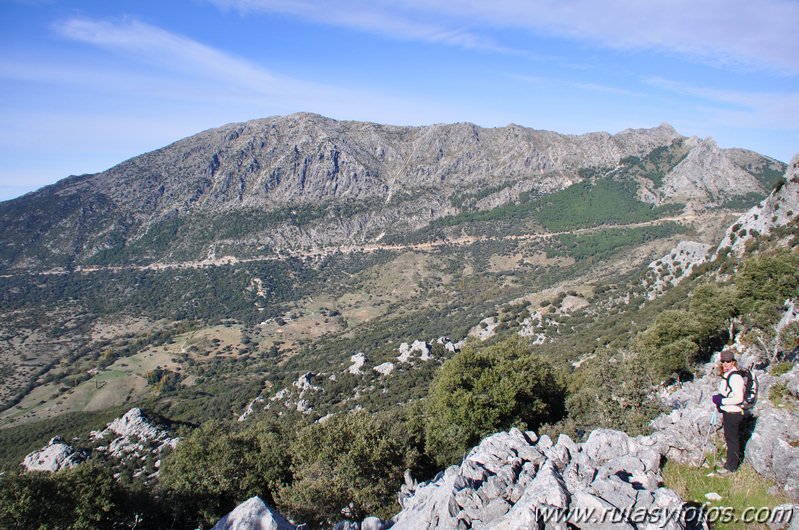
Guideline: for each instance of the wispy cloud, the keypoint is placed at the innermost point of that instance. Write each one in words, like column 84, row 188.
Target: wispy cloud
column 158, row 47
column 400, row 20
column 775, row 110
column 738, row 33
column 591, row 87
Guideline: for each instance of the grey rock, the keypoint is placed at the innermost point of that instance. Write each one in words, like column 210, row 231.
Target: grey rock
column 515, row 480
column 591, row 513
column 133, row 437
column 55, row 456
column 707, row 176
column 773, row 449
column 779, row 208
column 546, row 491
column 372, row 523
column 684, row 434
column 785, row 517
column 604, row 445
column 253, row 514
column 418, row 347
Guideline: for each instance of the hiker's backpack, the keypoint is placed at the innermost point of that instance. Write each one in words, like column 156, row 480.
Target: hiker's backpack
column 750, row 389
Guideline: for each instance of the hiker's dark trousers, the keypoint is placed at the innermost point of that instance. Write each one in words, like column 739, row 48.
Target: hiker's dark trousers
column 732, row 437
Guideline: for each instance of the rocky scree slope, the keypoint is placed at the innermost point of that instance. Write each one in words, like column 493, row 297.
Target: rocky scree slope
column 780, row 208
column 304, row 181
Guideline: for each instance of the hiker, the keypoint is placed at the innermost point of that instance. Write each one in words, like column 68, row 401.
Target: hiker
column 730, row 402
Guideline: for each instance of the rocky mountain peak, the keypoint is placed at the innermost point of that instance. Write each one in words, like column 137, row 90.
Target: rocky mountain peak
column 707, row 176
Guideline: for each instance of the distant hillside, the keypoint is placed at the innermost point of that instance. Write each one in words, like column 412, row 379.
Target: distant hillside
column 304, row 181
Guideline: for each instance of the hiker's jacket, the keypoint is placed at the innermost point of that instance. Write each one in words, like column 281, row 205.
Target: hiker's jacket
column 732, row 387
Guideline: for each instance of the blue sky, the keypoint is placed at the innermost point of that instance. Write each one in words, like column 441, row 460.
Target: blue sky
column 87, row 84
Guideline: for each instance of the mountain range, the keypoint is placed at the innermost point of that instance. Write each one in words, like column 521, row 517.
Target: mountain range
column 304, row 182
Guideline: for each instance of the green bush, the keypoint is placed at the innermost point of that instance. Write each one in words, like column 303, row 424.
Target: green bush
column 353, row 461
column 764, row 282
column 481, row 391
column 219, row 466
column 780, row 368
column 670, row 345
column 789, row 337
column 82, row 498
column 713, row 307
column 608, row 391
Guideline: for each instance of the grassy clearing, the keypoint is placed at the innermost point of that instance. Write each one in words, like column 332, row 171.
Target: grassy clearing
column 745, row 495
column 114, row 386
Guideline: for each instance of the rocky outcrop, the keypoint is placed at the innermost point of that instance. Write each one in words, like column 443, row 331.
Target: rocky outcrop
column 134, row 437
column 683, row 433
column 133, row 441
column 253, row 514
column 707, row 176
column 57, row 455
column 779, row 208
column 418, row 348
column 485, row 329
column 787, row 517
column 674, row 267
column 252, row 407
column 448, row 345
column 516, row 480
column 384, row 369
column 773, row 449
column 357, row 360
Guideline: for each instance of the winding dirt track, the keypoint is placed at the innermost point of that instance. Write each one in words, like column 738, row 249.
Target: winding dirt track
column 349, row 249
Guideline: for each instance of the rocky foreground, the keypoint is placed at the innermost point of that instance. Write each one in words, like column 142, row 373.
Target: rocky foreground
column 517, row 480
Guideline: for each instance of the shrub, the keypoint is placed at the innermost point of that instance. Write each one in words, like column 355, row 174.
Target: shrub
column 780, row 368
column 481, row 391
column 611, row 392
column 789, row 337
column 81, row 498
column 218, row 466
column 351, row 461
column 670, row 345
column 764, row 282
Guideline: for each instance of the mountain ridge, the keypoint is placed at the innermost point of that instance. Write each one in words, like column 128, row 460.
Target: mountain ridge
column 306, row 180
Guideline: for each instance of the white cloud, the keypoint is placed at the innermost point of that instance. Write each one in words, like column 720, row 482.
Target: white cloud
column 735, row 108
column 158, row 47
column 724, row 32
column 392, row 19
column 590, row 87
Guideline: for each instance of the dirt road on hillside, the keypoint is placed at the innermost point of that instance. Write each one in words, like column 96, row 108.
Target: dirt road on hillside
column 350, row 249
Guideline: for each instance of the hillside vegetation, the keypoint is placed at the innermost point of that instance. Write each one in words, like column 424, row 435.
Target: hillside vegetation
column 485, row 388
column 372, row 300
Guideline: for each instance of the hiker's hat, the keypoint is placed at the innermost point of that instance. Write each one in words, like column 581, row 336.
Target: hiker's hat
column 727, row 355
